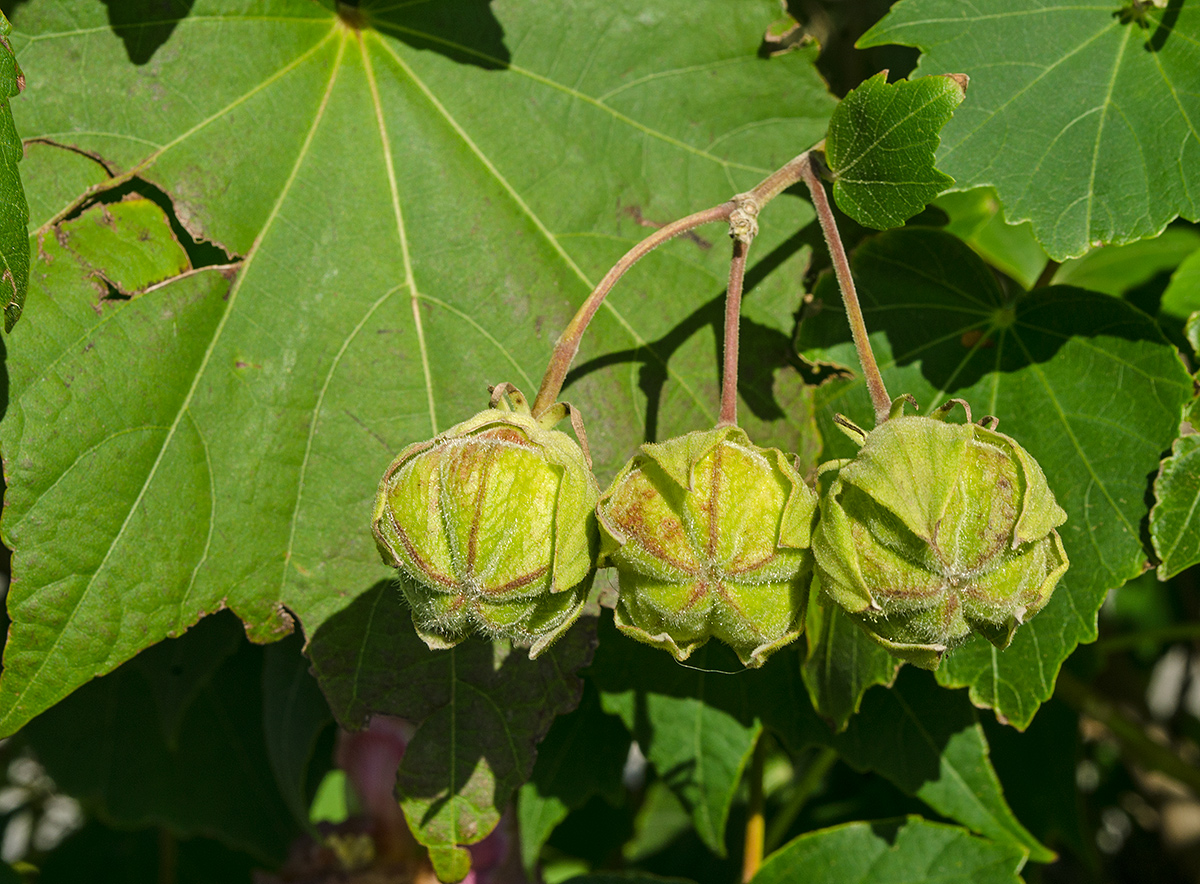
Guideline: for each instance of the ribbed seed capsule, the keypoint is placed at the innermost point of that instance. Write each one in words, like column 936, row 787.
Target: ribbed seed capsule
column 937, row 530
column 710, row 536
column 491, row 527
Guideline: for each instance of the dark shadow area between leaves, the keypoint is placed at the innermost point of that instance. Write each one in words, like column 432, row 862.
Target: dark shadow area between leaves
column 962, row 336
column 10, row 7
column 918, row 709
column 98, row 854
column 590, row 732
column 467, row 32
column 1043, row 795
column 773, row 694
column 129, row 743
column 1149, row 500
column 368, row 659
column 836, row 26
column 145, row 25
column 3, row 379
column 761, row 351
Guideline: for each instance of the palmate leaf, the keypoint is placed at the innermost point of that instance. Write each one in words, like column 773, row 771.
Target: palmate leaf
column 880, row 147
column 698, row 725
column 413, row 210
column 1085, row 382
column 892, row 852
column 1085, row 118
column 928, row 741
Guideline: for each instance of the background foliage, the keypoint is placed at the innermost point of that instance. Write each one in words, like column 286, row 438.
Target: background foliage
column 271, row 243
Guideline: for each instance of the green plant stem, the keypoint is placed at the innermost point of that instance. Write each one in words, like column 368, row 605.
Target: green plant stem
column 568, row 342
column 820, row 764
column 1047, row 274
column 752, row 854
column 841, row 268
column 733, row 315
column 1134, row 742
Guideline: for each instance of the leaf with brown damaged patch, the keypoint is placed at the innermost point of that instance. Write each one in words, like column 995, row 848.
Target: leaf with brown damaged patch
column 128, row 245
column 417, row 220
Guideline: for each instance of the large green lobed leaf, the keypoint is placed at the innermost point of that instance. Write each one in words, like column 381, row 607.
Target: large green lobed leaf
column 892, row 852
column 1085, row 118
column 698, row 724
column 413, row 211
column 1085, row 382
column 928, row 741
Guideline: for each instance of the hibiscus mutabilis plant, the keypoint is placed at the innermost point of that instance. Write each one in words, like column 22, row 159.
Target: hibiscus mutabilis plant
column 245, row 299
column 932, row 532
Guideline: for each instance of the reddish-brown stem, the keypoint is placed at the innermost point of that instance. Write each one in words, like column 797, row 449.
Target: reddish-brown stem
column 568, row 342
column 841, row 267
column 746, row 206
column 733, row 313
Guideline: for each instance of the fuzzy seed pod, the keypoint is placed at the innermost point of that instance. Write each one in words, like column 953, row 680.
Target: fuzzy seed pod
column 710, row 536
column 491, row 527
column 937, row 530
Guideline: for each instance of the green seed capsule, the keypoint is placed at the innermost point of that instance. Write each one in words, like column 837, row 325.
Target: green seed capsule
column 491, row 527
column 710, row 537
column 937, row 530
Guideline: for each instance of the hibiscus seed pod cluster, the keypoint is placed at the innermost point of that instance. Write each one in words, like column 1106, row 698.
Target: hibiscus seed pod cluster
column 937, row 530
column 491, row 526
column 710, row 536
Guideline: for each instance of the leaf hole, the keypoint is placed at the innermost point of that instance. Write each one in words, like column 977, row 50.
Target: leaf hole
column 200, row 252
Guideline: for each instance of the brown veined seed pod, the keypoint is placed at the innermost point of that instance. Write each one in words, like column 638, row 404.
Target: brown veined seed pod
column 491, row 527
column 710, row 537
column 938, row 530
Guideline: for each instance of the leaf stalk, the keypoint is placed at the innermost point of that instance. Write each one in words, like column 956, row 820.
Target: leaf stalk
column 733, row 313
column 841, row 267
column 741, row 212
column 568, row 342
